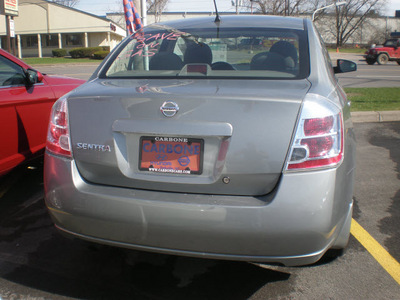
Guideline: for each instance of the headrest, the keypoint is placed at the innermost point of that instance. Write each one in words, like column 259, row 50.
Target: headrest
column 197, row 53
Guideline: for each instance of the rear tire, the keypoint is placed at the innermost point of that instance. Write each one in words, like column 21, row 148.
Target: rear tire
column 382, row 59
column 370, row 61
column 398, row 62
column 334, row 253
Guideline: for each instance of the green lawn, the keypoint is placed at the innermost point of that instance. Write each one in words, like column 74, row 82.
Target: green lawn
column 374, row 99
column 349, row 50
column 58, row 60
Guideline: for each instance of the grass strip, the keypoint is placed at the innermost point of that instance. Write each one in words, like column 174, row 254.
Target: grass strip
column 58, row 60
column 349, row 50
column 374, row 99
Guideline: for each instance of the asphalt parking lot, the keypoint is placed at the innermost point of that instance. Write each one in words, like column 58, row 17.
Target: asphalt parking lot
column 38, row 263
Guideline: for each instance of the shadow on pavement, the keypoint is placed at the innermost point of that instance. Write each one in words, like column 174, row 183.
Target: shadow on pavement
column 40, row 261
column 391, row 142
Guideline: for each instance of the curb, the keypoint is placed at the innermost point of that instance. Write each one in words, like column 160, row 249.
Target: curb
column 375, row 116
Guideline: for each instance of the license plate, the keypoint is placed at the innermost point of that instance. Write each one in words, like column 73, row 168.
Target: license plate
column 175, row 155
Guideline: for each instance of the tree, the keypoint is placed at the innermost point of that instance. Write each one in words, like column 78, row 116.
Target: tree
column 352, row 15
column 282, row 7
column 153, row 6
column 156, row 6
column 348, row 18
column 69, row 3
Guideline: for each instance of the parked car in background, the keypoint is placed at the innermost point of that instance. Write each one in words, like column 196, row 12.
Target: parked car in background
column 389, row 51
column 250, row 43
column 26, row 98
column 177, row 147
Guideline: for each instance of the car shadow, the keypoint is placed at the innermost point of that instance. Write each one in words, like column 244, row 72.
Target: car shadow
column 43, row 263
column 388, row 140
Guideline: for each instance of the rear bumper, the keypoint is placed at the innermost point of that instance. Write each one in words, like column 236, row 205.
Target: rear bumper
column 293, row 226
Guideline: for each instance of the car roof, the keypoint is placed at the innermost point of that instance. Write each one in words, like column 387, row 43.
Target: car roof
column 234, row 21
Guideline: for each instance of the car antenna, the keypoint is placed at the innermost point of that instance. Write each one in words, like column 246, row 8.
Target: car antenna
column 217, row 18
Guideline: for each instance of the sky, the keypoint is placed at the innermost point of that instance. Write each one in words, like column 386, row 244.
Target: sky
column 101, row 7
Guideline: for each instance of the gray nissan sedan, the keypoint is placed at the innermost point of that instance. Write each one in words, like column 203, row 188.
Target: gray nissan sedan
column 225, row 139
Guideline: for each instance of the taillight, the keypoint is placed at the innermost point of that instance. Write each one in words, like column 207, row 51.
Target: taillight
column 58, row 140
column 318, row 142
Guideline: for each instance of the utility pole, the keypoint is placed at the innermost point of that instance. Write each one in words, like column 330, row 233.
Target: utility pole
column 141, row 7
column 144, row 12
column 9, row 9
column 8, row 39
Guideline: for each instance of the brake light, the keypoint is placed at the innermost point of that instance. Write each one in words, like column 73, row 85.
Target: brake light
column 317, row 126
column 319, row 137
column 58, row 140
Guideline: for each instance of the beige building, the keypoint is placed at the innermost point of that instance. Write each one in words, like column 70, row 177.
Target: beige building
column 42, row 26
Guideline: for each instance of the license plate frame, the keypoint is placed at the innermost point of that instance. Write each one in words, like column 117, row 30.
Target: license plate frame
column 171, row 155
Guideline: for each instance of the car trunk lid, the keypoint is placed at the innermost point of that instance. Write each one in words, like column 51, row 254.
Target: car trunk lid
column 228, row 136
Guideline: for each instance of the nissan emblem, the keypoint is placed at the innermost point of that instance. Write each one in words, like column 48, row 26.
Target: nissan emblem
column 169, row 108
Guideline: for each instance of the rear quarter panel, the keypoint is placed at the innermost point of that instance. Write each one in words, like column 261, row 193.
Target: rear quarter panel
column 325, row 83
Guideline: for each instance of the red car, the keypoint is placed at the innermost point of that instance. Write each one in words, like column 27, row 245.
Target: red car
column 26, row 97
column 390, row 51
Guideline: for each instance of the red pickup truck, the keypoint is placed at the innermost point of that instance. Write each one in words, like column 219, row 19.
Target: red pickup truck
column 390, row 51
column 26, row 98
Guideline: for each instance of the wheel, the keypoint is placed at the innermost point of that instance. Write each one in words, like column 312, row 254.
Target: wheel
column 382, row 59
column 370, row 61
column 334, row 253
column 398, row 62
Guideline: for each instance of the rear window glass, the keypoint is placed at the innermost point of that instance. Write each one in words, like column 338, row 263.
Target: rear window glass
column 392, row 43
column 159, row 52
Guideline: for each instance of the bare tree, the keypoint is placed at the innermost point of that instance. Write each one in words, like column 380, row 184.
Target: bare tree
column 153, row 6
column 69, row 3
column 282, row 7
column 351, row 16
column 156, row 7
column 313, row 5
column 348, row 18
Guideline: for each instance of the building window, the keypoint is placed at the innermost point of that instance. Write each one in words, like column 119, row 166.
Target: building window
column 51, row 40
column 31, row 41
column 73, row 39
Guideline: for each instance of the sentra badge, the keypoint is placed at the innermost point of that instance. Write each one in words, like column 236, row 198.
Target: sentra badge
column 169, row 108
column 95, row 147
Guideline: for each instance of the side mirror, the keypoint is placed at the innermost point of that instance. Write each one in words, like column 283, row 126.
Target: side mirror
column 33, row 77
column 344, row 66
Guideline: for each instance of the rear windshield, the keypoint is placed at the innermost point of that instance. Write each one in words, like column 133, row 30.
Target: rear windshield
column 160, row 52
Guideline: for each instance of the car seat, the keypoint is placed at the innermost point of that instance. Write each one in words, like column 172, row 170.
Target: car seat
column 287, row 50
column 165, row 61
column 197, row 53
column 268, row 61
